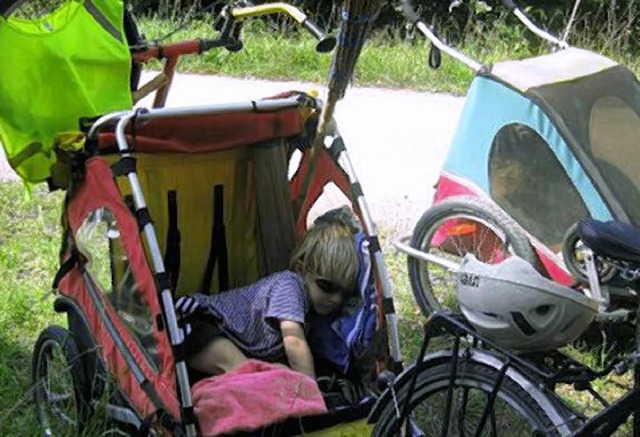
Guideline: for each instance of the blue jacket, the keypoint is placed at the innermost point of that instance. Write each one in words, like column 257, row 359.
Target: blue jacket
column 339, row 338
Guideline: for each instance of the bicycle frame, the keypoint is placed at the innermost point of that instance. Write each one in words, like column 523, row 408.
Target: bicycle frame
column 537, row 370
column 229, row 38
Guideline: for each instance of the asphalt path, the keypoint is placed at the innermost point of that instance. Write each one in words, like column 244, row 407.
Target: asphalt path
column 396, row 139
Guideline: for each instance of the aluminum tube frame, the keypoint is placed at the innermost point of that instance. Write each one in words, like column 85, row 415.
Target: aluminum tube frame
column 380, row 266
column 105, row 120
column 402, row 246
column 471, row 63
column 536, row 30
column 567, row 30
column 194, row 111
column 175, row 336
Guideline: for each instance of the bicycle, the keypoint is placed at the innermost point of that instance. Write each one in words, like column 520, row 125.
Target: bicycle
column 480, row 387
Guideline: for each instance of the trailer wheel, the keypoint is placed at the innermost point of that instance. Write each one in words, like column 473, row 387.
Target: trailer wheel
column 451, row 229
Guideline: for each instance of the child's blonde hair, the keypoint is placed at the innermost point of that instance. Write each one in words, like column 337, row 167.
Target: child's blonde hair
column 328, row 251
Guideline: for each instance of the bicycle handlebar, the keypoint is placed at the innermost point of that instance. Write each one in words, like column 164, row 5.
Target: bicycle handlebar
column 325, row 44
column 411, row 14
column 513, row 7
column 230, row 34
column 229, row 37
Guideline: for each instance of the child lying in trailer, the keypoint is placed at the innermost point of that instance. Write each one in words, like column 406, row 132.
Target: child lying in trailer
column 267, row 319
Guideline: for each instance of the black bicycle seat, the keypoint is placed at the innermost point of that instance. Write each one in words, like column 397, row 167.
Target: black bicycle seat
column 613, row 239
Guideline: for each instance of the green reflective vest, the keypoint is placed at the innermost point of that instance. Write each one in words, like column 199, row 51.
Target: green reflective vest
column 71, row 63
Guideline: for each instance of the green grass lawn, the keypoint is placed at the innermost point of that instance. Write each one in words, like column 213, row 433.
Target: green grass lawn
column 386, row 60
column 30, row 234
column 29, row 244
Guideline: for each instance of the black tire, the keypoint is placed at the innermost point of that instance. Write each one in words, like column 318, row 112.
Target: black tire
column 572, row 247
column 515, row 412
column 489, row 232
column 61, row 393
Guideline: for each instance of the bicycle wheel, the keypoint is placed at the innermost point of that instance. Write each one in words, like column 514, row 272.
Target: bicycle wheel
column 60, row 383
column 448, row 231
column 513, row 412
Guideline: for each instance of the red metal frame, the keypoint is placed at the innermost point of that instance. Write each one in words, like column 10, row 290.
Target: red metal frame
column 170, row 54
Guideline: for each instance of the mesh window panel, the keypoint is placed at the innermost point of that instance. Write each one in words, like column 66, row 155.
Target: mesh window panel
column 614, row 133
column 99, row 240
column 529, row 183
column 598, row 116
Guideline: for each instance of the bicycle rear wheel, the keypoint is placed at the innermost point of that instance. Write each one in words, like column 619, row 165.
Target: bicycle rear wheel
column 472, row 412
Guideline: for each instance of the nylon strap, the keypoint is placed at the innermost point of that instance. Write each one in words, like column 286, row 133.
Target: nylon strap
column 172, row 251
column 65, row 268
column 336, row 148
column 387, row 306
column 356, row 190
column 162, row 281
column 124, row 166
column 143, row 217
column 374, row 244
column 435, row 57
column 218, row 250
column 189, row 415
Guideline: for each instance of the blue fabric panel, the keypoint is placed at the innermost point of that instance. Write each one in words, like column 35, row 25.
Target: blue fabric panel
column 490, row 106
column 340, row 337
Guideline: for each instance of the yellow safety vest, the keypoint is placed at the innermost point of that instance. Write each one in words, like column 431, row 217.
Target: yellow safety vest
column 72, row 63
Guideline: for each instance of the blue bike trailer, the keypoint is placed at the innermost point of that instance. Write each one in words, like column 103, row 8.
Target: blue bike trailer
column 551, row 139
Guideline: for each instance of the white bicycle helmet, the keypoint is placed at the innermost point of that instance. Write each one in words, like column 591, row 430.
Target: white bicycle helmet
column 512, row 304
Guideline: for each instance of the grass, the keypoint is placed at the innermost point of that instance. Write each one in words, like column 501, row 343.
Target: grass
column 29, row 242
column 386, row 61
column 382, row 63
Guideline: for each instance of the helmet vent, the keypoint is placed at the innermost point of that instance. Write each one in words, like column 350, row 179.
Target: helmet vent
column 543, row 310
column 524, row 326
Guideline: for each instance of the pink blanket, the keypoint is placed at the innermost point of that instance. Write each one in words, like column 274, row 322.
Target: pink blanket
column 254, row 395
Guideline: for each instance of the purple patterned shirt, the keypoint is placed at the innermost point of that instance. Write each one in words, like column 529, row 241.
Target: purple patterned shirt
column 250, row 316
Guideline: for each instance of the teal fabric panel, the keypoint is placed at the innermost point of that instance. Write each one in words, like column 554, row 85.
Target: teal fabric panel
column 491, row 105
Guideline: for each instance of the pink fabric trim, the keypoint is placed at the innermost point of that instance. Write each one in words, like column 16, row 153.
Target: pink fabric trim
column 446, row 188
column 555, row 271
column 252, row 396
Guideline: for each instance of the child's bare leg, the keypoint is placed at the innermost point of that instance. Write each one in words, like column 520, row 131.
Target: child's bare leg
column 219, row 356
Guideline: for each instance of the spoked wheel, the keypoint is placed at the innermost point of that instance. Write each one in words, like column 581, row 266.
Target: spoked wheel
column 472, row 409
column 60, row 383
column 447, row 232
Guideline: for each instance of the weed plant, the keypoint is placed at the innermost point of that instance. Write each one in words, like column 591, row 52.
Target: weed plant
column 29, row 244
column 276, row 49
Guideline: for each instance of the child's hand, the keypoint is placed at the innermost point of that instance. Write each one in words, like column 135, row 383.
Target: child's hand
column 297, row 348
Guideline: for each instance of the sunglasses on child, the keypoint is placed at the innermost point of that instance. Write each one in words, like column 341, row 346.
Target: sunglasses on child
column 329, row 287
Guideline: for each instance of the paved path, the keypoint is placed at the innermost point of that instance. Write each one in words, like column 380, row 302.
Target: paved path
column 397, row 139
